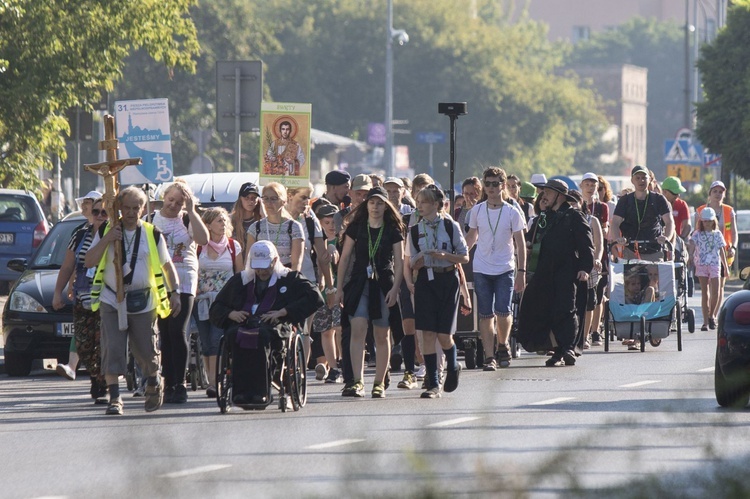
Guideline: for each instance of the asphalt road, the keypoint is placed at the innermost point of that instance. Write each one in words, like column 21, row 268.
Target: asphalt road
column 615, row 418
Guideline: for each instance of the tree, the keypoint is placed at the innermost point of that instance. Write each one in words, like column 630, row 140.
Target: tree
column 657, row 46
column 57, row 54
column 723, row 123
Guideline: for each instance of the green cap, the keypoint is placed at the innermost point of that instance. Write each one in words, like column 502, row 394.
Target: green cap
column 528, row 190
column 673, row 185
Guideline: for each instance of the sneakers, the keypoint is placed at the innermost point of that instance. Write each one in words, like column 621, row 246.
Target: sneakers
column 421, row 372
column 65, row 371
column 409, row 382
column 356, row 389
column 569, row 358
column 378, row 390
column 432, row 393
column 154, row 396
column 320, row 372
column 115, row 407
column 211, row 392
column 180, row 394
column 596, row 339
column 503, row 358
column 490, row 365
column 587, row 345
column 334, row 376
column 168, row 394
column 451, row 379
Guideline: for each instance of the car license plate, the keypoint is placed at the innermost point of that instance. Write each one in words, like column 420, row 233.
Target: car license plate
column 7, row 238
column 65, row 329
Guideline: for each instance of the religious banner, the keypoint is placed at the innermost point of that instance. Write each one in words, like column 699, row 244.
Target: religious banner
column 143, row 131
column 285, row 143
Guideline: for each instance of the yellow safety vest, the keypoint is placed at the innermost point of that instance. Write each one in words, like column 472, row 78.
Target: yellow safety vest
column 155, row 278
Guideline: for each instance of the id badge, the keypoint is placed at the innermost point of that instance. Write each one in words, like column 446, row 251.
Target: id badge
column 430, row 274
column 91, row 272
column 370, row 272
column 255, row 308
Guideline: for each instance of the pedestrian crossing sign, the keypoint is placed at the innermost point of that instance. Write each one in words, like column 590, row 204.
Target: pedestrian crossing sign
column 683, row 152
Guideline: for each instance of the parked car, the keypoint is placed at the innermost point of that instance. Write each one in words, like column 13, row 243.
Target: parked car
column 22, row 228
column 743, row 238
column 732, row 373
column 32, row 329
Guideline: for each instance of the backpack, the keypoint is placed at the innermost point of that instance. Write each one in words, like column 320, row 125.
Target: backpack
column 448, row 229
column 310, row 223
column 232, row 250
column 185, row 218
column 288, row 230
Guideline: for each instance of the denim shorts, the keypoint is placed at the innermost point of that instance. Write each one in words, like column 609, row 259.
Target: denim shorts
column 363, row 309
column 493, row 290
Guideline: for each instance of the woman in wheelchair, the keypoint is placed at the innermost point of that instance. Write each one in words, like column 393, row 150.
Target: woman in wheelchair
column 257, row 309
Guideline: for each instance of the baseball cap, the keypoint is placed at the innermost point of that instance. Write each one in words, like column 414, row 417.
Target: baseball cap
column 638, row 169
column 326, row 210
column 91, row 195
column 362, row 182
column 393, row 180
column 249, row 188
column 708, row 213
column 377, row 192
column 673, row 185
column 590, row 176
column 538, row 179
column 262, row 254
column 337, row 177
column 717, row 183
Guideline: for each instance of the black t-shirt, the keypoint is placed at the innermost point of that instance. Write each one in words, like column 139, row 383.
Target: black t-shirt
column 384, row 254
column 642, row 219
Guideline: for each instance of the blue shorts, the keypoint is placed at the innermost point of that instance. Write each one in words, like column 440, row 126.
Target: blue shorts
column 363, row 309
column 493, row 290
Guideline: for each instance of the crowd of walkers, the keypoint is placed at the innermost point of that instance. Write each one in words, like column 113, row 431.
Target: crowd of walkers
column 374, row 270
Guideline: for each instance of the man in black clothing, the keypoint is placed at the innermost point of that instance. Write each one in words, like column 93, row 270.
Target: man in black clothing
column 566, row 256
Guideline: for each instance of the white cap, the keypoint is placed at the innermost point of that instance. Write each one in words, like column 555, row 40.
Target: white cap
column 262, row 254
column 538, row 179
column 590, row 176
column 708, row 213
column 91, row 195
column 717, row 183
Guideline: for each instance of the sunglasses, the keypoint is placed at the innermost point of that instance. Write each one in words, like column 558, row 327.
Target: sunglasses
column 97, row 212
column 492, row 183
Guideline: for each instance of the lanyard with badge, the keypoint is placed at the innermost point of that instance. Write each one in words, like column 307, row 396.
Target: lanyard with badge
column 430, row 272
column 489, row 221
column 372, row 249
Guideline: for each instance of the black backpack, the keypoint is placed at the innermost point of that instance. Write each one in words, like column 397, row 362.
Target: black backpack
column 448, row 229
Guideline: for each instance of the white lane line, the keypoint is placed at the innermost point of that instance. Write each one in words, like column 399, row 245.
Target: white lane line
column 553, row 401
column 640, row 383
column 335, row 443
column 195, row 471
column 707, row 370
column 452, row 422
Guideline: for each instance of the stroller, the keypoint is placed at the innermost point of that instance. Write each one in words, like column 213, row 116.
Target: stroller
column 683, row 279
column 643, row 303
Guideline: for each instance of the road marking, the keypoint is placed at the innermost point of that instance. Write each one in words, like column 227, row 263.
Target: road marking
column 451, row 422
column 707, row 370
column 553, row 401
column 335, row 443
column 195, row 471
column 640, row 383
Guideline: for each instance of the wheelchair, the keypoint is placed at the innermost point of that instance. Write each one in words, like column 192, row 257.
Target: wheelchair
column 286, row 374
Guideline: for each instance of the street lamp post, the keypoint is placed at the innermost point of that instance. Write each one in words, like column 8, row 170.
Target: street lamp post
column 402, row 38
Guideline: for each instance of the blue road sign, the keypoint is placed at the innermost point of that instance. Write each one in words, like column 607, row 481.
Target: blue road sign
column 430, row 137
column 683, row 152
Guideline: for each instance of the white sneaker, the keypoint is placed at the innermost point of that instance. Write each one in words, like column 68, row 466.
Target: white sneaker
column 420, row 372
column 320, row 372
column 66, row 372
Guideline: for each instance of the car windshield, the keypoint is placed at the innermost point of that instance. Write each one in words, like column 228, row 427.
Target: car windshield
column 743, row 221
column 15, row 208
column 51, row 252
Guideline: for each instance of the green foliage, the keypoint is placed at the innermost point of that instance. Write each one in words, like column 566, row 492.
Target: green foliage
column 724, row 114
column 56, row 54
column 659, row 47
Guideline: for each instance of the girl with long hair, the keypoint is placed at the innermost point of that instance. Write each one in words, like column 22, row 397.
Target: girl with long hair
column 246, row 210
column 373, row 239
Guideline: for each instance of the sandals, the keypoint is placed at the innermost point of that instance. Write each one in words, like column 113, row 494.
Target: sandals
column 704, row 328
column 711, row 323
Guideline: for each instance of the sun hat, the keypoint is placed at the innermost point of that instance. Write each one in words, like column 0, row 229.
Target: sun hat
column 527, row 190
column 538, row 179
column 558, row 185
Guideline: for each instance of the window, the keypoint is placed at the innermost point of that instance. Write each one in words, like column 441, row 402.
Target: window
column 581, row 33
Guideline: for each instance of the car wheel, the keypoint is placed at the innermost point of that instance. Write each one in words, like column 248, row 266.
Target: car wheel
column 731, row 391
column 17, row 364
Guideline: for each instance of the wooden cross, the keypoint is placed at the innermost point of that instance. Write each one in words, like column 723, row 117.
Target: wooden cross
column 108, row 170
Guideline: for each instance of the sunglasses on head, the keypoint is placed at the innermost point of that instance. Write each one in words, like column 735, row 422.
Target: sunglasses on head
column 492, row 183
column 97, row 212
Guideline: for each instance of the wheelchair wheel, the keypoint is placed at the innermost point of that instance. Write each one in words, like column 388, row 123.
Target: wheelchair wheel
column 224, row 376
column 297, row 373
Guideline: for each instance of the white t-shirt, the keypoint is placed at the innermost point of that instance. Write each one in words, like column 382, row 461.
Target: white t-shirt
column 278, row 234
column 182, row 248
column 140, row 273
column 308, row 269
column 506, row 220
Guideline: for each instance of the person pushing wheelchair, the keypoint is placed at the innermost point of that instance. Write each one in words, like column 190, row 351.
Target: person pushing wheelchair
column 256, row 309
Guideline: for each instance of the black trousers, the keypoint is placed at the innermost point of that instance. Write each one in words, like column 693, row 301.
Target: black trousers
column 174, row 343
column 251, row 367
